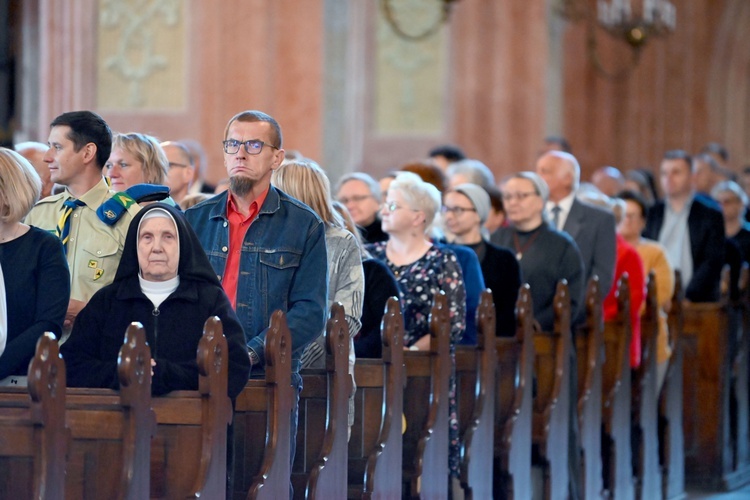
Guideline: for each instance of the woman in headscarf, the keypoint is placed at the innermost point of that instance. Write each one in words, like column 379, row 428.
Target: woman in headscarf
column 165, row 282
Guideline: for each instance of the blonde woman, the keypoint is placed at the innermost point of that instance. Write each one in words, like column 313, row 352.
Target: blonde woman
column 136, row 159
column 305, row 180
column 34, row 269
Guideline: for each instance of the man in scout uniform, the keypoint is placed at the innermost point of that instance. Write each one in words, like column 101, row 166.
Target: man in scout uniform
column 79, row 145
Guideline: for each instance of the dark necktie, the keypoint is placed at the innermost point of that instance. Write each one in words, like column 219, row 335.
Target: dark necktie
column 556, row 217
column 63, row 225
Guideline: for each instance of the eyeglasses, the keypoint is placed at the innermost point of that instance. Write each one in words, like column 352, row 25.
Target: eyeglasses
column 354, row 199
column 517, row 196
column 392, row 207
column 457, row 211
column 176, row 165
column 253, row 147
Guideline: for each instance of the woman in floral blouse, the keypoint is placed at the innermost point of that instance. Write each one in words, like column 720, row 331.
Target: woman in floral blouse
column 422, row 270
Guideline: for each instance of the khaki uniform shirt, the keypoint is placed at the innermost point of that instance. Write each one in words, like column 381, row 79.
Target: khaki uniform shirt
column 94, row 248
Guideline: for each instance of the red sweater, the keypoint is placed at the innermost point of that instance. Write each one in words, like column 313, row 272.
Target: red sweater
column 628, row 261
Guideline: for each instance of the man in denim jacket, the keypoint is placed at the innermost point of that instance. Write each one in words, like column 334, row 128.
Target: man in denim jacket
column 267, row 248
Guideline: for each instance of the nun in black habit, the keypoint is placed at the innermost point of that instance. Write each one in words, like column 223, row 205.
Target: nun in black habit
column 165, row 282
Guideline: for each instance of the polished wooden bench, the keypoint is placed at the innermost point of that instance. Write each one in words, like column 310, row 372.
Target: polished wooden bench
column 320, row 462
column 590, row 356
column 189, row 451
column 375, row 446
column 425, row 446
column 515, row 372
column 33, row 436
column 671, row 439
column 713, row 343
column 551, row 415
column 648, row 482
column 262, row 422
column 476, row 367
column 111, row 431
column 616, row 397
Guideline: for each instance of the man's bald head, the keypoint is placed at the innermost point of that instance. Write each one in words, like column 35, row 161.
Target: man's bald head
column 561, row 172
column 608, row 180
column 34, row 152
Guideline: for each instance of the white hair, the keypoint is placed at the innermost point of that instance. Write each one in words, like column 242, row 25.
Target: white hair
column 418, row 194
column 475, row 171
column 573, row 164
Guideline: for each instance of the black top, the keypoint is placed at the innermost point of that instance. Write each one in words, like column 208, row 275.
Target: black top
column 173, row 330
column 706, row 229
column 37, row 291
column 374, row 232
column 742, row 238
column 380, row 285
column 502, row 275
column 548, row 256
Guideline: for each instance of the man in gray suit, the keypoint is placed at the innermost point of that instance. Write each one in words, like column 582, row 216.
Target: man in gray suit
column 592, row 228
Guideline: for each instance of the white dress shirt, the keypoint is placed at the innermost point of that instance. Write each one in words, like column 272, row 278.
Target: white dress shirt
column 565, row 205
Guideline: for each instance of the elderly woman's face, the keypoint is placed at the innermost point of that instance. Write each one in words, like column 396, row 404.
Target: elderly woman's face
column 397, row 216
column 124, row 170
column 158, row 249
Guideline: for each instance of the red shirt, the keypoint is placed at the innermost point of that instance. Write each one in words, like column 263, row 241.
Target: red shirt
column 238, row 225
column 628, row 261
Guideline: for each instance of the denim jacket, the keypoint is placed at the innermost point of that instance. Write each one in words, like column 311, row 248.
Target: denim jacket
column 283, row 266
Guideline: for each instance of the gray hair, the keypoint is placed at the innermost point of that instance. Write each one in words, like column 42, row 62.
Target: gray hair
column 730, row 187
column 22, row 147
column 372, row 184
column 573, row 163
column 475, row 171
column 419, row 195
column 540, row 187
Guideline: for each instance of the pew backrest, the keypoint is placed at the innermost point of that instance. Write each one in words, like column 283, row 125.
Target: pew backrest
column 33, row 436
column 477, row 433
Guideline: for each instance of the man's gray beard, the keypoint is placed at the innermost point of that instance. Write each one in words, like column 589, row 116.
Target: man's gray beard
column 240, row 185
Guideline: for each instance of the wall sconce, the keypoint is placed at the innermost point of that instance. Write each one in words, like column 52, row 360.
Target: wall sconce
column 441, row 18
column 632, row 21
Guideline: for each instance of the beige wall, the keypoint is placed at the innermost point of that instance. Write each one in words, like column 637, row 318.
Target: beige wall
column 495, row 81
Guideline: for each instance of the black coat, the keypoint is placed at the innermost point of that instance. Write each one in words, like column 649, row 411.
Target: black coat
column 707, row 246
column 502, row 275
column 173, row 331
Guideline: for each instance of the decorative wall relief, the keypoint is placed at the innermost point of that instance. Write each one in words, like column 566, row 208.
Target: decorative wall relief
column 410, row 76
column 141, row 59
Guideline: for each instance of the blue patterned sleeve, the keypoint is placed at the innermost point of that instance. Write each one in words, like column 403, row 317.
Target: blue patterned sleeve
column 452, row 283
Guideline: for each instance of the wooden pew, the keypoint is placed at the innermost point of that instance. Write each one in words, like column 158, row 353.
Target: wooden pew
column 739, row 396
column 712, row 338
column 551, row 416
column 262, row 421
column 741, row 371
column 189, row 452
column 590, row 356
column 375, row 446
column 320, row 462
column 616, row 391
column 671, row 439
column 110, row 430
column 425, row 446
column 475, row 391
column 645, row 403
column 33, row 437
column 515, row 365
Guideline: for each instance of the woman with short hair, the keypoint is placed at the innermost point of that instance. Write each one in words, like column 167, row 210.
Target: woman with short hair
column 422, row 271
column 35, row 273
column 136, row 159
